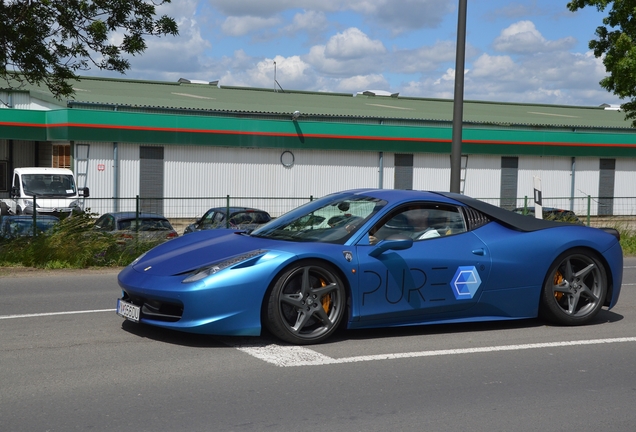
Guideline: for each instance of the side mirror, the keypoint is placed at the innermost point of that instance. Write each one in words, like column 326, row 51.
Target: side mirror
column 84, row 192
column 15, row 192
column 394, row 242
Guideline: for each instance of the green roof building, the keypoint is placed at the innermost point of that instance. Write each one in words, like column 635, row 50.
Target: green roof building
column 185, row 139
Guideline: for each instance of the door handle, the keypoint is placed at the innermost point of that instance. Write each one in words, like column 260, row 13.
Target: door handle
column 480, row 252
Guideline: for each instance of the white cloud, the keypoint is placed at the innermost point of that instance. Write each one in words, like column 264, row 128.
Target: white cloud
column 358, row 83
column 240, row 26
column 291, row 72
column 348, row 53
column 352, row 44
column 523, row 37
column 308, row 21
column 425, row 58
column 395, row 15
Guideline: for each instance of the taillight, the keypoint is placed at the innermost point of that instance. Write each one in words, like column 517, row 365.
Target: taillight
column 172, row 235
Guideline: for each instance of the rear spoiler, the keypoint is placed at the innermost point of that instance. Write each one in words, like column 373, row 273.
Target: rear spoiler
column 612, row 231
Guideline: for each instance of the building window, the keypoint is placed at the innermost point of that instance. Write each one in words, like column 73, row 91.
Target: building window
column 61, row 156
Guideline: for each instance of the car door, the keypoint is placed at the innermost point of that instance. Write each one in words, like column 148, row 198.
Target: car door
column 439, row 276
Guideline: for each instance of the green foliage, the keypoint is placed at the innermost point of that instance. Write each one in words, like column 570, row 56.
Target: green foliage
column 72, row 244
column 615, row 43
column 49, row 41
column 628, row 243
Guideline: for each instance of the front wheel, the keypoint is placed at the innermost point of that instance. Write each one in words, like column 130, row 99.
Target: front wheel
column 306, row 304
column 574, row 289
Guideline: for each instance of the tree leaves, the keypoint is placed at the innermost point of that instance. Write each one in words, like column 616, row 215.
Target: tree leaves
column 49, row 41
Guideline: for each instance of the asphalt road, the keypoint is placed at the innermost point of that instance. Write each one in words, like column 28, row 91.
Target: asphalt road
column 67, row 362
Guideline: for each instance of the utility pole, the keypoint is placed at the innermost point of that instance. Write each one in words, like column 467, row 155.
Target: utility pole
column 458, row 101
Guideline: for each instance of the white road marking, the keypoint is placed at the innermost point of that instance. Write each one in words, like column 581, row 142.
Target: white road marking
column 55, row 313
column 293, row 356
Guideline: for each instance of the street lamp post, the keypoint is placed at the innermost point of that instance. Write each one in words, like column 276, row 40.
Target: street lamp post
column 458, row 100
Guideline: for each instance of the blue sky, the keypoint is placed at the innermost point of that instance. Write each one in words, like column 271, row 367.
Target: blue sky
column 533, row 51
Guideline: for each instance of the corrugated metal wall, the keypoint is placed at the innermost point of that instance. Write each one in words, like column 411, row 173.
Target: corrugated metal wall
column 218, row 171
column 198, row 172
column 555, row 174
column 22, row 100
column 483, row 176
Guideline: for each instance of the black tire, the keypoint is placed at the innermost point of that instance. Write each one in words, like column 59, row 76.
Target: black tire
column 574, row 289
column 306, row 304
column 18, row 210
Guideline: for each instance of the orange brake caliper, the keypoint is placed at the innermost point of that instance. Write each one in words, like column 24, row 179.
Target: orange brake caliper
column 558, row 278
column 326, row 299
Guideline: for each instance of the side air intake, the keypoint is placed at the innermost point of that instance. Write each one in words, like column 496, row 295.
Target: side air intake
column 474, row 218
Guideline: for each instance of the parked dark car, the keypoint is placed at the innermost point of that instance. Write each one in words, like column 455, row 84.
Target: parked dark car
column 127, row 225
column 20, row 226
column 242, row 218
column 551, row 213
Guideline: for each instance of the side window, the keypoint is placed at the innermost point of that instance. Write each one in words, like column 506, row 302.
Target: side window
column 419, row 222
column 99, row 225
column 105, row 223
column 110, row 223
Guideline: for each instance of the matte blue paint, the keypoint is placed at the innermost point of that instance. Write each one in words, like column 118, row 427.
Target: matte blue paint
column 439, row 280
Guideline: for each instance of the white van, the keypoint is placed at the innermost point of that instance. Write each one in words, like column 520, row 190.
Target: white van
column 53, row 190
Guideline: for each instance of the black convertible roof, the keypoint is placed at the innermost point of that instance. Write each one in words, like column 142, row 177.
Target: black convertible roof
column 506, row 217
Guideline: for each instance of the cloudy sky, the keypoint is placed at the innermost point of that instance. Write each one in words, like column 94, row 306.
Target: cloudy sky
column 517, row 50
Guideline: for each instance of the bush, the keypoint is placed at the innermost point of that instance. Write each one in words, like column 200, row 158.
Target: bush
column 628, row 242
column 71, row 244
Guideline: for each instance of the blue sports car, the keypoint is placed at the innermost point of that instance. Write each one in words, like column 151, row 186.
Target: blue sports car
column 375, row 258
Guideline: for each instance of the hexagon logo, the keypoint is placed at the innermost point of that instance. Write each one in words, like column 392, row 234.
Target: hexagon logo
column 465, row 282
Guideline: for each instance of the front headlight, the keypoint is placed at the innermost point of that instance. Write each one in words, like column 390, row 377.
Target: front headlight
column 211, row 269
column 73, row 204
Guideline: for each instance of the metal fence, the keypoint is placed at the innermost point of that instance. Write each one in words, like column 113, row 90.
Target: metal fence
column 183, row 211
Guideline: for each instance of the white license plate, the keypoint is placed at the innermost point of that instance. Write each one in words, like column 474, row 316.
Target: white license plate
column 128, row 310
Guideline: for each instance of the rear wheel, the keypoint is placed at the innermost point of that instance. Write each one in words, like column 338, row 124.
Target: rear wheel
column 306, row 304
column 574, row 289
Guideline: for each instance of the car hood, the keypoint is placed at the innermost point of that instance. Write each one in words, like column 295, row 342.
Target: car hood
column 197, row 250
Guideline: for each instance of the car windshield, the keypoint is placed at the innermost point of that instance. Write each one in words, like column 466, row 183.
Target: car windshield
column 48, row 185
column 332, row 219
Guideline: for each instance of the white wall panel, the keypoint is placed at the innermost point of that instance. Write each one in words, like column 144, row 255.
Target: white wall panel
column 556, row 179
column 586, row 183
column 431, row 172
column 625, row 184
column 483, row 177
column 128, row 174
column 194, row 171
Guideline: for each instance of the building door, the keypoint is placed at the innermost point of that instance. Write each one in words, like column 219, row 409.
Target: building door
column 607, row 171
column 151, row 179
column 509, row 175
column 403, row 171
